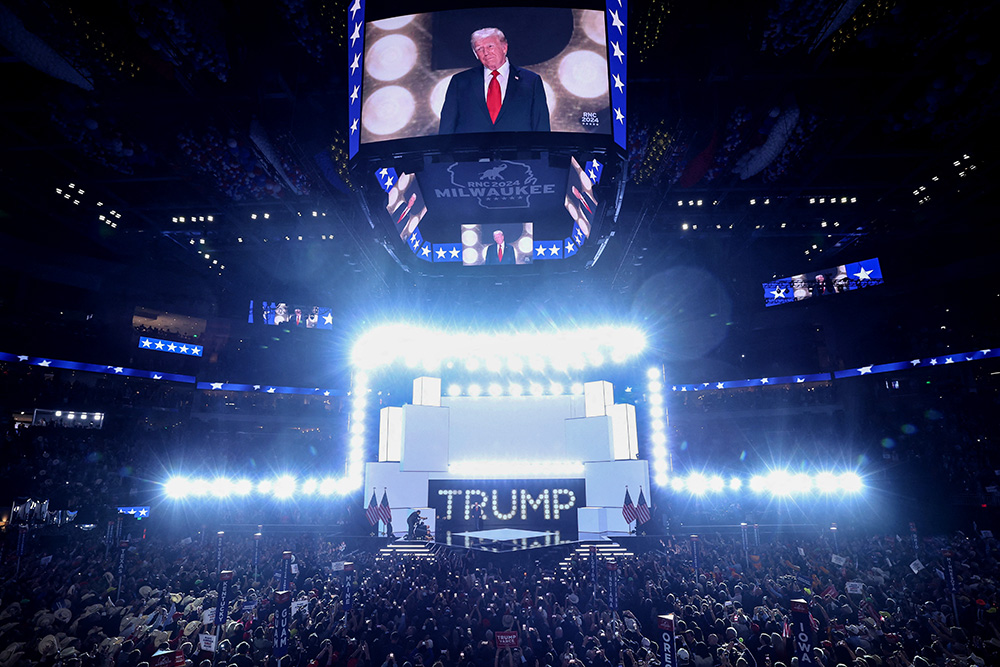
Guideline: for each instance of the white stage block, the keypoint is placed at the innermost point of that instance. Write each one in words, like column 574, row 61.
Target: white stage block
column 606, row 483
column 599, row 397
column 589, row 439
column 624, row 435
column 425, row 439
column 427, row 391
column 592, row 520
column 390, row 434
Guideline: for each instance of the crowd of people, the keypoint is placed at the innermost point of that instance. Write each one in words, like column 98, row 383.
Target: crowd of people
column 885, row 603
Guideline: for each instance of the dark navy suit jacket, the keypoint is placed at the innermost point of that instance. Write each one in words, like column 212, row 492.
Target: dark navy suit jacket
column 508, row 254
column 524, row 108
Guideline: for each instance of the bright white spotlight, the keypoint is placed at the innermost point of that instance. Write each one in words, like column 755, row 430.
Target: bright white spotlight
column 758, row 484
column 515, row 389
column 472, row 364
column 656, row 399
column 515, row 364
column 454, row 390
column 328, row 486
column 536, row 389
column 655, row 386
column 242, row 487
column 576, row 389
column 735, row 483
column 677, row 484
column 357, row 442
column 851, row 482
column 176, row 487
column 653, row 374
column 661, row 480
column 658, row 438
column 659, row 452
column 801, row 483
column 309, row 486
column 221, row 487
column 475, row 390
column 357, row 428
column 556, row 388
column 827, row 482
column 358, row 416
column 495, row 390
column 284, row 487
column 780, row 483
column 493, row 365
column 264, row 486
column 716, row 483
column 537, row 364
column 697, row 483
column 658, row 424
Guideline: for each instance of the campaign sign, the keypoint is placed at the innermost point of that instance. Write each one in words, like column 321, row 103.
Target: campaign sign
column 506, row 638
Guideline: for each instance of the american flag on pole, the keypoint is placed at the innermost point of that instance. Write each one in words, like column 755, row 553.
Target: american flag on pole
column 628, row 509
column 384, row 512
column 372, row 511
column 642, row 509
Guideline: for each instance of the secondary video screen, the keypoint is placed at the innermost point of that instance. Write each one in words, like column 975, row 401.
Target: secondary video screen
column 497, row 245
column 423, row 77
column 405, row 205
column 824, row 282
column 286, row 314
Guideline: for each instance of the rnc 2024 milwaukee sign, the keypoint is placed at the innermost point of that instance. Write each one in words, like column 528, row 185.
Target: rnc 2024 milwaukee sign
column 503, row 185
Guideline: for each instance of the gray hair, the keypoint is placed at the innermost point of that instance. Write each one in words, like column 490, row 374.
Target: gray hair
column 483, row 33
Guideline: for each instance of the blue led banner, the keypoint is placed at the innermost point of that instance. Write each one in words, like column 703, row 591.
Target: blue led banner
column 174, row 347
column 836, row 280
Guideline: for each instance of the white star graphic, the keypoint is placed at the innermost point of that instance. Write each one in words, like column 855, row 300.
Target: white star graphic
column 616, row 52
column 159, row 345
column 172, row 347
column 863, row 274
column 721, row 385
column 356, row 63
column 865, row 369
column 915, row 362
column 593, row 175
column 453, row 252
column 131, row 510
column 764, row 380
column 354, row 126
column 985, row 352
column 597, row 164
column 256, row 387
column 539, row 251
column 426, row 250
column 570, row 247
column 615, row 21
column 674, row 388
column 157, row 377
column 184, row 349
column 968, row 358
column 619, row 118
column 354, row 94
column 328, row 319
column 44, row 362
column 413, row 237
column 326, row 393
column 388, row 182
column 143, row 512
column 356, row 35
column 618, row 83
column 145, row 342
column 684, row 388
column 440, row 253
column 800, row 380
column 217, row 385
column 355, row 8
column 949, row 360
column 778, row 292
column 383, row 172
column 270, row 390
column 934, row 362
column 22, row 357
column 119, row 369
column 554, row 250
column 196, row 350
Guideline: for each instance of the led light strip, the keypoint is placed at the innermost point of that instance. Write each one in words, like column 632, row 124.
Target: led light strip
column 508, row 468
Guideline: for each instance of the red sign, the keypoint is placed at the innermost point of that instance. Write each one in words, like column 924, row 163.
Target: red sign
column 506, row 638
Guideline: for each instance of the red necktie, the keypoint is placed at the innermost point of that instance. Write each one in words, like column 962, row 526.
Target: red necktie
column 499, row 247
column 493, row 101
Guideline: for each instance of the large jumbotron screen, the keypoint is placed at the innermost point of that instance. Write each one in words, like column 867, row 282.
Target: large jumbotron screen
column 410, row 62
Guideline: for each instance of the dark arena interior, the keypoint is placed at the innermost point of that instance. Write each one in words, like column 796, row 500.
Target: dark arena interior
column 609, row 334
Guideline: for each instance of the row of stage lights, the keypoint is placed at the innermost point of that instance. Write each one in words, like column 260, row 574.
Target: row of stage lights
column 427, row 348
column 777, row 483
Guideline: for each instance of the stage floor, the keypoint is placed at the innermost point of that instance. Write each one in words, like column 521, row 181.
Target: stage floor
column 506, row 539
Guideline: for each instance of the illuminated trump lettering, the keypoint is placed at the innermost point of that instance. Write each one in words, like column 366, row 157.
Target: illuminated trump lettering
column 550, row 503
